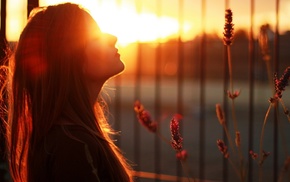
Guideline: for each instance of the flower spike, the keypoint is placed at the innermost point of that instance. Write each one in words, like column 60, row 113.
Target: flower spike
column 220, row 114
column 229, row 30
column 281, row 83
column 144, row 117
column 223, row 148
column 238, row 139
column 176, row 139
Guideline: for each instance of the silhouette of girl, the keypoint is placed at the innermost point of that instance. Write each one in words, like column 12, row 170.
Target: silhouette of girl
column 56, row 128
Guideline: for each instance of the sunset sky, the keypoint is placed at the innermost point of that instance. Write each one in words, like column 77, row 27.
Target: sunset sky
column 137, row 20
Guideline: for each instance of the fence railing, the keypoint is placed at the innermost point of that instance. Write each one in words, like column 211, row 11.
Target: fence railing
column 189, row 77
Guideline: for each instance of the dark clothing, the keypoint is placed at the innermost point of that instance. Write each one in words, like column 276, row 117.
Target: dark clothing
column 64, row 158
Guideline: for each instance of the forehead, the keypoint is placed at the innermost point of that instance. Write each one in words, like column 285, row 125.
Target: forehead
column 92, row 27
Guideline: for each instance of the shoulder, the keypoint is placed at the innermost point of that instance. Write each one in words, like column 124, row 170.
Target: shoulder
column 70, row 135
column 74, row 153
column 71, row 139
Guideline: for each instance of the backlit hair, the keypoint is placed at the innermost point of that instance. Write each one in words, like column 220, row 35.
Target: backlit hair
column 47, row 83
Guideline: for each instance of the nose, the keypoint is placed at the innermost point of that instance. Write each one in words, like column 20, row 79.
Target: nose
column 110, row 39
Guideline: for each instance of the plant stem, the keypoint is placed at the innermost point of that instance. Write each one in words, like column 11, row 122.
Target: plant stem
column 286, row 111
column 232, row 88
column 230, row 68
column 234, row 111
column 283, row 138
column 261, row 142
column 235, row 168
column 186, row 169
column 229, row 138
column 163, row 138
column 238, row 146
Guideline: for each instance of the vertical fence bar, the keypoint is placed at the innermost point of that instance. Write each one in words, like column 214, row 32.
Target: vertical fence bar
column 276, row 38
column 180, row 61
column 3, row 19
column 31, row 4
column 225, row 101
column 202, row 94
column 157, row 104
column 180, row 72
column 137, row 93
column 276, row 68
column 251, row 89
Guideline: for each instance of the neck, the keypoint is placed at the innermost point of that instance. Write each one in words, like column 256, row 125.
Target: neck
column 94, row 90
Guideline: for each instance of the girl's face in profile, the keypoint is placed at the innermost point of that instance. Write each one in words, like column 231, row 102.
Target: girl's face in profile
column 102, row 57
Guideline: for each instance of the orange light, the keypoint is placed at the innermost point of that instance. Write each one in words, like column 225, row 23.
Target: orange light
column 16, row 18
column 123, row 21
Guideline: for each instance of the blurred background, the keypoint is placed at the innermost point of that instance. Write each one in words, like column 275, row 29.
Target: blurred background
column 176, row 63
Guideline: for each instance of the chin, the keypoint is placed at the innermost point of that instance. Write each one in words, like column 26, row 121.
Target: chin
column 120, row 72
column 120, row 68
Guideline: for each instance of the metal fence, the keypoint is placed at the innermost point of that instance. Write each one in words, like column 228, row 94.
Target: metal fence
column 189, row 78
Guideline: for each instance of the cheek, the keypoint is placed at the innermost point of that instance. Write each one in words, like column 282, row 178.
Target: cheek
column 101, row 70
column 93, row 61
column 94, row 67
column 101, row 63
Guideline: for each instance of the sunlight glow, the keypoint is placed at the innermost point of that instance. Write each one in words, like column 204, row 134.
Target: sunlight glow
column 16, row 19
column 132, row 27
column 123, row 21
column 119, row 19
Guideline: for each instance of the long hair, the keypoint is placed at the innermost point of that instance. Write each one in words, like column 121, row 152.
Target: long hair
column 47, row 83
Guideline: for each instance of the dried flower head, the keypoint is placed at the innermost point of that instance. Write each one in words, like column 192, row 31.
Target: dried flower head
column 233, row 95
column 223, row 148
column 176, row 139
column 144, row 117
column 182, row 155
column 281, row 83
column 253, row 155
column 220, row 114
column 238, row 139
column 228, row 29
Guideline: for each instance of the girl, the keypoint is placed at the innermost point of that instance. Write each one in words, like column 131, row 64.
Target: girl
column 56, row 129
